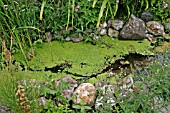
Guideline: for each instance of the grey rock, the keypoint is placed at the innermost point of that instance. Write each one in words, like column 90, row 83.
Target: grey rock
column 150, row 37
column 133, row 29
column 146, row 16
column 5, row 109
column 70, row 29
column 88, row 31
column 103, row 32
column 48, row 37
column 106, row 96
column 117, row 24
column 109, row 23
column 125, row 83
column 78, row 38
column 42, row 101
column 155, row 28
column 68, row 39
column 104, row 25
column 68, row 91
column 113, row 33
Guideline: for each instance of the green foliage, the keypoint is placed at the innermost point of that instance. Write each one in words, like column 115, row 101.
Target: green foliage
column 152, row 88
column 161, row 10
column 54, row 97
column 8, row 91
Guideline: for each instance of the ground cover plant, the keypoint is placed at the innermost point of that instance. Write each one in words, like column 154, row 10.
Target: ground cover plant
column 25, row 28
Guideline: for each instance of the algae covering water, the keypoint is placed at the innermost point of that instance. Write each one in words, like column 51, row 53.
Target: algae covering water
column 83, row 59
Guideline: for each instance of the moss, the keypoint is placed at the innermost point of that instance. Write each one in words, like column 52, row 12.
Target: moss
column 85, row 58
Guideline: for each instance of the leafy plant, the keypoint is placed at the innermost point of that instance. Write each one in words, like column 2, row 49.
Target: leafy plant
column 161, row 10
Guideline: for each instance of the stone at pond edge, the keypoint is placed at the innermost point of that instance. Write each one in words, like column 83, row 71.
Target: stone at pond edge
column 104, row 25
column 147, row 16
column 68, row 39
column 133, row 29
column 113, row 33
column 78, row 38
column 67, row 92
column 155, row 28
column 103, row 32
column 85, row 93
column 117, row 24
column 105, row 94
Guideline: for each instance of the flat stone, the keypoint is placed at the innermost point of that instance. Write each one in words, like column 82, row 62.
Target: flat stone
column 134, row 29
column 85, row 93
column 155, row 28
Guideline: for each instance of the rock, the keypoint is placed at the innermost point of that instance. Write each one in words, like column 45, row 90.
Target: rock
column 109, row 23
column 42, row 101
column 78, row 38
column 133, row 29
column 106, row 94
column 117, row 24
column 113, row 33
column 85, row 93
column 103, row 32
column 147, row 16
column 5, row 109
column 151, row 38
column 105, row 101
column 70, row 29
column 89, row 31
column 67, row 92
column 125, row 83
column 68, row 39
column 155, row 28
column 48, row 37
column 104, row 25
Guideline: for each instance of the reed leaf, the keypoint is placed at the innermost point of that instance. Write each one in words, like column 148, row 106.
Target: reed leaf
column 101, row 12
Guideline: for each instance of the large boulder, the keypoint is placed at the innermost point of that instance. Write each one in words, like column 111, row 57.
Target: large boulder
column 85, row 93
column 133, row 29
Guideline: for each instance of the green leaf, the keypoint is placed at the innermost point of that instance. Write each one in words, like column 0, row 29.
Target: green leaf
column 46, row 90
column 101, row 12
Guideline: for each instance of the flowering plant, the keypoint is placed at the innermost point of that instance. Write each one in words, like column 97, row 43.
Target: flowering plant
column 161, row 10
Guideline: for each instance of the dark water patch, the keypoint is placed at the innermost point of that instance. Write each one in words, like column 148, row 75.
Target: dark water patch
column 59, row 68
column 126, row 65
